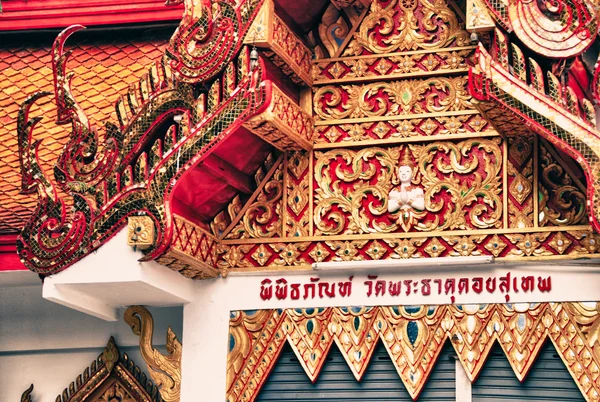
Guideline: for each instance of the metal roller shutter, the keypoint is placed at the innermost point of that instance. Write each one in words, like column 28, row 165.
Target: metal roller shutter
column 548, row 380
column 289, row 382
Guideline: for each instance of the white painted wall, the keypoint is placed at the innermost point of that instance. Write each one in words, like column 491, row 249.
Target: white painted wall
column 49, row 345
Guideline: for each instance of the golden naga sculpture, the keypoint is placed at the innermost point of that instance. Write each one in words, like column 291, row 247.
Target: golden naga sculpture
column 165, row 370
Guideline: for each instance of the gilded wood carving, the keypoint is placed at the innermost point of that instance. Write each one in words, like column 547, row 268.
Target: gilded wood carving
column 111, row 377
column 414, row 337
column 165, row 370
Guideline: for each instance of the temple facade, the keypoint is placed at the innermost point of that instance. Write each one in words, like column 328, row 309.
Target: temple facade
column 257, row 200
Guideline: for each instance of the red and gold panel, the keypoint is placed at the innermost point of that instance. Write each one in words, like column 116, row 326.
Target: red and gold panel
column 414, row 337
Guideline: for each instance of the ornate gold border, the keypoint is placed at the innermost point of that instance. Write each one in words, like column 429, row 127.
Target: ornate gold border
column 414, row 337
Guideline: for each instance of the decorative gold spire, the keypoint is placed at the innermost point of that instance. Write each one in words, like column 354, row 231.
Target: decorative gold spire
column 407, row 159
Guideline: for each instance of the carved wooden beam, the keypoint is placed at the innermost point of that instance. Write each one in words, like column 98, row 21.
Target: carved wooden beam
column 223, row 170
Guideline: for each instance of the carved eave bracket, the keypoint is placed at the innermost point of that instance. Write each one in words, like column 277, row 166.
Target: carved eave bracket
column 555, row 117
column 165, row 370
column 283, row 124
column 281, row 45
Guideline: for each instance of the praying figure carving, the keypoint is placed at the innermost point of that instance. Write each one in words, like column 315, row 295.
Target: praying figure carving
column 406, row 198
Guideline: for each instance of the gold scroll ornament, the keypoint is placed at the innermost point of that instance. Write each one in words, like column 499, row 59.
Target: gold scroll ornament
column 165, row 370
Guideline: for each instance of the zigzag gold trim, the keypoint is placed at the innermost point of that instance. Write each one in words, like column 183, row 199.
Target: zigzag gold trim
column 414, row 338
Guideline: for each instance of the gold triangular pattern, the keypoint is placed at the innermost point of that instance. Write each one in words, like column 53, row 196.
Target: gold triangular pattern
column 414, row 338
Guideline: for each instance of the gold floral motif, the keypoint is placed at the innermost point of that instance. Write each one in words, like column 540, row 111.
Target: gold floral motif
column 441, row 175
column 495, row 245
column 464, row 246
column 380, row 130
column 477, row 123
column 263, row 217
column 520, row 187
column 233, row 256
column 589, row 242
column 331, row 133
column 439, row 94
column 262, row 255
column 347, row 250
column 431, row 62
column 346, row 179
column 380, row 32
column 429, row 126
column 298, row 197
column 435, row 248
column 560, row 243
column 529, row 244
column 520, row 329
column 520, row 216
column 376, row 250
column 290, row 253
column 319, row 253
column 297, row 227
column 453, row 124
column 406, row 248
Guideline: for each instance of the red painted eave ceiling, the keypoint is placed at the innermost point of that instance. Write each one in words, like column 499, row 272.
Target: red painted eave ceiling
column 9, row 261
column 46, row 14
column 208, row 188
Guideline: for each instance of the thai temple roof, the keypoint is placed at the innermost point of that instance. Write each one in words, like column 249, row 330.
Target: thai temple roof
column 104, row 67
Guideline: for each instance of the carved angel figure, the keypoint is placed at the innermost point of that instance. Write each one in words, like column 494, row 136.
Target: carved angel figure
column 406, row 197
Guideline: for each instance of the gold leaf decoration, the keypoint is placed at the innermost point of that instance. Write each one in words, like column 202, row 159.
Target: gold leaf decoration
column 432, row 95
column 165, row 370
column 421, row 24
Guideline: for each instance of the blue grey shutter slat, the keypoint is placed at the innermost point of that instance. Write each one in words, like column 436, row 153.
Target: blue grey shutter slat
column 548, row 380
column 381, row 383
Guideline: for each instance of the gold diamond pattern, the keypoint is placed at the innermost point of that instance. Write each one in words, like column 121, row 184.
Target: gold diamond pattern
column 495, row 245
column 520, row 188
column 405, row 249
column 381, row 129
column 383, row 66
column 319, row 253
column 477, row 123
column 560, row 243
column 430, row 62
column 435, row 248
column 262, row 255
column 428, row 126
column 336, row 70
column 376, row 250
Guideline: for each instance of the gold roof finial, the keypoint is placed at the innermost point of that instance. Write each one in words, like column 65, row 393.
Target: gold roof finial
column 407, row 159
